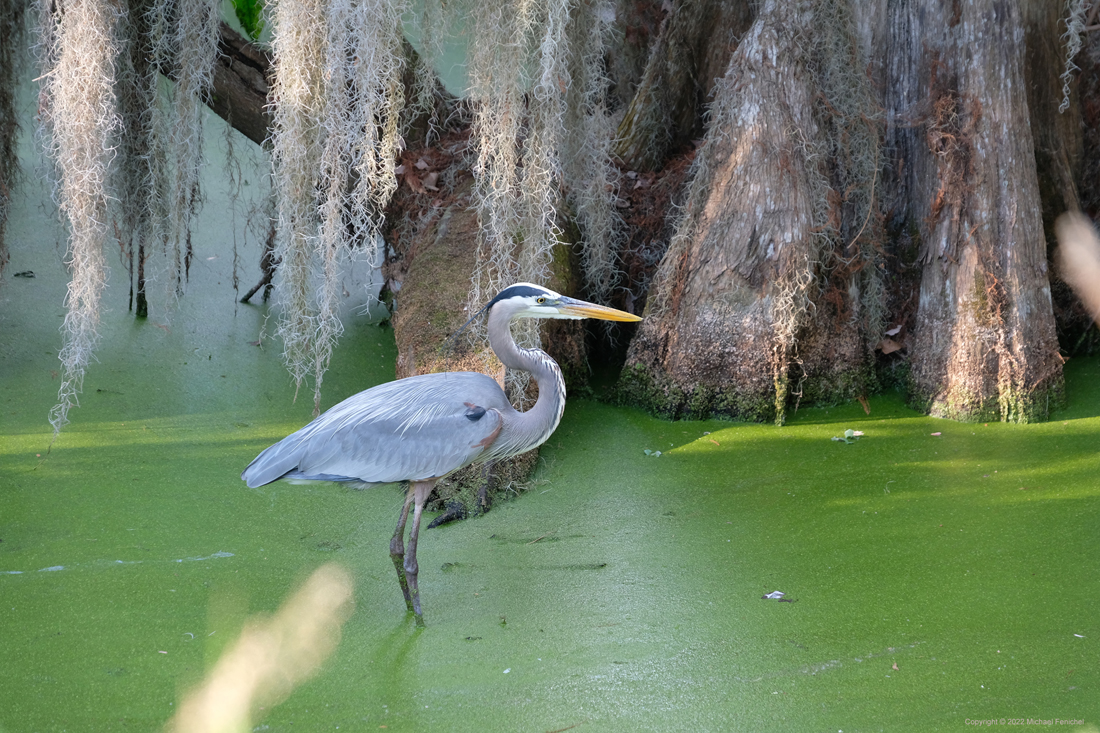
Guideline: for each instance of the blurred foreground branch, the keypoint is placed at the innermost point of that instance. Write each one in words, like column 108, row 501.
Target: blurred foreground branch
column 271, row 658
column 1079, row 259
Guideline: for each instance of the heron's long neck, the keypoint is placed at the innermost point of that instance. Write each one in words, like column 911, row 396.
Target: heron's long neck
column 533, row 427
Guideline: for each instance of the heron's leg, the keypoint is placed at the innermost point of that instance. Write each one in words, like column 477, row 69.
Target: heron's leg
column 397, row 547
column 420, row 491
column 487, row 472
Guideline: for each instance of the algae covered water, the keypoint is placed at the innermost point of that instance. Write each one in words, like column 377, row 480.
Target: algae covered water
column 927, row 575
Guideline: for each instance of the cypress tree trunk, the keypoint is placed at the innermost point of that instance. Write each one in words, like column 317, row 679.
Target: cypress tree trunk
column 742, row 314
column 1055, row 129
column 984, row 345
column 1057, row 132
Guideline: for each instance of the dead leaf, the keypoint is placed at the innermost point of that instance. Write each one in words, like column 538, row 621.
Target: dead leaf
column 399, row 170
column 895, row 667
column 422, row 165
column 889, row 346
column 712, row 440
column 430, row 181
column 894, row 331
column 866, row 405
column 414, row 182
column 937, row 434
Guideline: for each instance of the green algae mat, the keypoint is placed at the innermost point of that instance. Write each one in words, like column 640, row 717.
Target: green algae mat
column 934, row 575
column 695, row 576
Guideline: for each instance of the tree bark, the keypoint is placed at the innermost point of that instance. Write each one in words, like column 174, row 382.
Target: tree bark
column 241, row 85
column 739, row 316
column 984, row 345
column 1056, row 132
column 1059, row 137
column 634, row 31
column 11, row 38
column 1088, row 85
column 691, row 52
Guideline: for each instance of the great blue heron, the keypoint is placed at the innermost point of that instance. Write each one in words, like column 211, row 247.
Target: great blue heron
column 420, row 429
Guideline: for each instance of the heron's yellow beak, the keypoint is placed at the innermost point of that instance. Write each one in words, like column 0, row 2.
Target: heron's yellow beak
column 582, row 309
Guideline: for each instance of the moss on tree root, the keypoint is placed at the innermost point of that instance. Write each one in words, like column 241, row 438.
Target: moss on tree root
column 1033, row 405
column 666, row 398
column 662, row 396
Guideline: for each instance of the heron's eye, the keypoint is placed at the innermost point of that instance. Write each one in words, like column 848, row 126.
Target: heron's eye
column 540, row 300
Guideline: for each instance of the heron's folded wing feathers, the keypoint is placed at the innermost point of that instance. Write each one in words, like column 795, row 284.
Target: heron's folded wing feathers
column 412, row 429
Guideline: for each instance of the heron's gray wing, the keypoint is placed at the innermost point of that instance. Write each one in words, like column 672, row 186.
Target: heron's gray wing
column 408, row 430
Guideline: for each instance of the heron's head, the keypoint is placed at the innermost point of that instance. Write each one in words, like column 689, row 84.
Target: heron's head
column 524, row 300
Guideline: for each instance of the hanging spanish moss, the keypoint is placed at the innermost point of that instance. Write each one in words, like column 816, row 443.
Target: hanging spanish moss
column 257, row 208
column 591, row 175
column 80, row 121
column 338, row 87
column 196, row 46
column 374, row 108
column 541, row 175
column 426, row 86
column 333, row 244
column 138, row 180
column 519, row 60
column 1075, row 31
column 500, row 41
column 298, row 44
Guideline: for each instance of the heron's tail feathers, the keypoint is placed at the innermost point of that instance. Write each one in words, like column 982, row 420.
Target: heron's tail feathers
column 271, row 465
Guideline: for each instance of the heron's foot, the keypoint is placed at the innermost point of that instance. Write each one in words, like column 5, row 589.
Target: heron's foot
column 484, row 501
column 399, row 563
column 412, row 573
column 455, row 510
